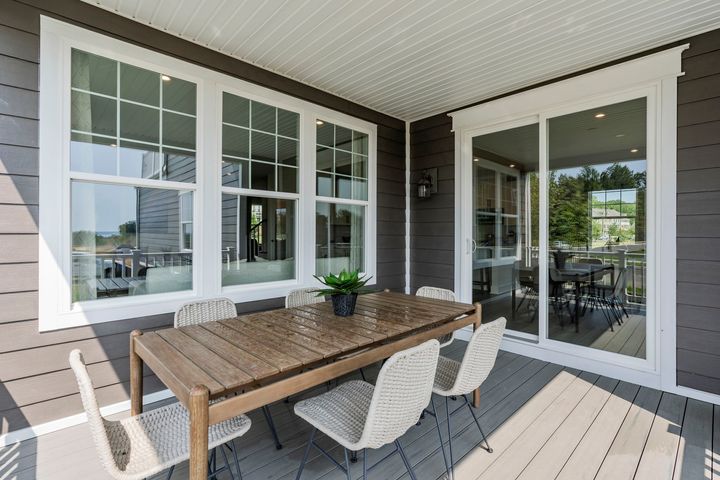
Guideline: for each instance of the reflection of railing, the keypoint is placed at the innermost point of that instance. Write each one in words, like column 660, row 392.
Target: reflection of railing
column 634, row 262
column 125, row 265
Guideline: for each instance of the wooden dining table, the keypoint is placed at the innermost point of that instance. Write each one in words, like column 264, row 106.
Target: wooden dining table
column 250, row 361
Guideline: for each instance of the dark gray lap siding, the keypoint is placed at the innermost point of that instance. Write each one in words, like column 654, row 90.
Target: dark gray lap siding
column 698, row 222
column 36, row 384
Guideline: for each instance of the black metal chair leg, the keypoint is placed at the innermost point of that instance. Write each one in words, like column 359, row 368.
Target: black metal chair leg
column 405, row 461
column 170, row 472
column 442, row 444
column 447, row 412
column 307, row 452
column 353, row 457
column 477, row 422
column 362, row 374
column 235, row 458
column 365, row 464
column 271, row 424
column 347, row 465
column 227, row 463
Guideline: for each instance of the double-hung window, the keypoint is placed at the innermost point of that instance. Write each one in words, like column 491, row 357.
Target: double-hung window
column 163, row 182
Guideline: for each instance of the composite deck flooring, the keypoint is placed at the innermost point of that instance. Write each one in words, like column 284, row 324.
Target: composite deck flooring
column 544, row 422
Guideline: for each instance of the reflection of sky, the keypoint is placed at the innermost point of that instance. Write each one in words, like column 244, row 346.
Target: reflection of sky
column 636, row 166
column 102, row 208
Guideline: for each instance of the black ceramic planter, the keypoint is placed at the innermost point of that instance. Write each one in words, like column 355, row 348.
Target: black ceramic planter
column 344, row 305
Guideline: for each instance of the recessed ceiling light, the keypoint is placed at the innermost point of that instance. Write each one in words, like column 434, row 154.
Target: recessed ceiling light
column 600, row 115
column 165, row 78
column 113, row 145
column 620, row 135
column 476, row 159
column 512, row 165
column 634, row 150
column 320, row 122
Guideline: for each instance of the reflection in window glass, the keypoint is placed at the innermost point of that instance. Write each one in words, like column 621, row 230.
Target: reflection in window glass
column 341, row 153
column 129, row 241
column 340, row 238
column 260, row 145
column 258, row 239
column 597, row 218
column 130, row 110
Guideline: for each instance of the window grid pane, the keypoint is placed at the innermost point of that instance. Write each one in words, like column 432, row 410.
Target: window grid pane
column 124, row 104
column 260, row 145
column 341, row 162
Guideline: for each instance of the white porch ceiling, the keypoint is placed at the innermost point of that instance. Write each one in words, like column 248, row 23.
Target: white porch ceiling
column 414, row 58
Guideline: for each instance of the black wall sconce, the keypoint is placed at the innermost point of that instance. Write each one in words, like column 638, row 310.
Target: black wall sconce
column 427, row 183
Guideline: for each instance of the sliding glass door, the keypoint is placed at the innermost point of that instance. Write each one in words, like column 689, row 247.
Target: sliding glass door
column 558, row 227
column 505, row 226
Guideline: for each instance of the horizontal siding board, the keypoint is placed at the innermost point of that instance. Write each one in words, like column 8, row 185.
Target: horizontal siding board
column 699, row 89
column 699, row 294
column 21, row 190
column 699, row 226
column 432, row 256
column 700, row 363
column 18, row 160
column 18, row 131
column 18, row 277
column 16, row 307
column 699, row 180
column 698, row 382
column 18, row 219
column 701, row 203
column 703, row 341
column 18, row 73
column 430, row 122
column 18, row 44
column 699, row 134
column 700, row 66
column 18, row 102
column 702, row 318
column 702, row 111
column 698, row 271
column 18, row 248
column 698, row 249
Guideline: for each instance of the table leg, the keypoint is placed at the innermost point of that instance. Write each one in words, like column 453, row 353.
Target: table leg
column 199, row 414
column 476, row 325
column 577, row 307
column 136, row 377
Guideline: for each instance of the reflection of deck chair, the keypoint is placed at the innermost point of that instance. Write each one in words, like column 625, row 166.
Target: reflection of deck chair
column 529, row 281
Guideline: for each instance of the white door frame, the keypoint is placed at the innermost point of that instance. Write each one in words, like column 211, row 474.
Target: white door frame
column 655, row 77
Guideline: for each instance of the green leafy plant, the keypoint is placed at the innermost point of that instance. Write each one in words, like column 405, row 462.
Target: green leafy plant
column 343, row 284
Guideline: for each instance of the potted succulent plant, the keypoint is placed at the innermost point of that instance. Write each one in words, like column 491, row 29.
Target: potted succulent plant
column 343, row 289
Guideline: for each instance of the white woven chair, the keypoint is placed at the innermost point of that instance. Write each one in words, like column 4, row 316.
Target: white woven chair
column 359, row 416
column 439, row 294
column 146, row 444
column 302, row 296
column 458, row 379
column 221, row 308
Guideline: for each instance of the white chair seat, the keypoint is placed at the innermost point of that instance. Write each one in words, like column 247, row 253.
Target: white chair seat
column 445, row 376
column 341, row 413
column 158, row 439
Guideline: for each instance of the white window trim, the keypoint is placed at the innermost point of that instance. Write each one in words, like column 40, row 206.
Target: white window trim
column 55, row 309
column 653, row 76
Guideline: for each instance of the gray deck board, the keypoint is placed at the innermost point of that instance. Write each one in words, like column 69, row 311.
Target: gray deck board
column 543, row 421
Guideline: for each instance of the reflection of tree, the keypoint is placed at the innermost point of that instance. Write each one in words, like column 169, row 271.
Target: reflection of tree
column 569, row 220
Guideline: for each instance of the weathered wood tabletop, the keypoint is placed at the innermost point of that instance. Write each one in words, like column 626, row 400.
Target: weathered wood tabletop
column 265, row 356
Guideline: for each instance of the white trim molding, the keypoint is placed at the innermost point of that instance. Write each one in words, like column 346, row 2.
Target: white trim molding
column 653, row 77
column 56, row 309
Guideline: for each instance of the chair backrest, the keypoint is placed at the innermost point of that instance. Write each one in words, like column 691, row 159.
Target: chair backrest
column 302, row 296
column 588, row 261
column 95, row 420
column 437, row 293
column 194, row 313
column 402, row 391
column 479, row 357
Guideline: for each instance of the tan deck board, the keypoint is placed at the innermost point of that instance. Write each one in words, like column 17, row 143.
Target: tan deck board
column 515, row 397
